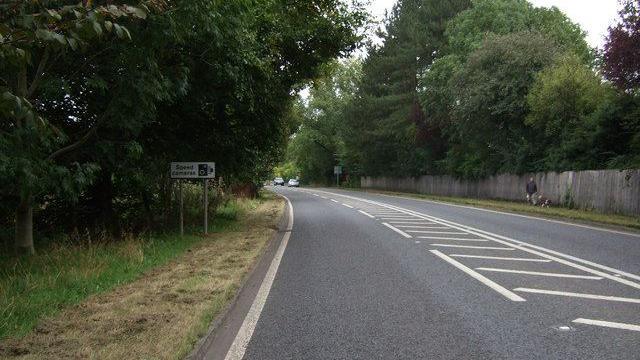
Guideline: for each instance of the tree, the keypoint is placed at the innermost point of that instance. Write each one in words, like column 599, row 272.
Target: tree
column 490, row 95
column 318, row 144
column 32, row 36
column 564, row 102
column 387, row 131
column 622, row 48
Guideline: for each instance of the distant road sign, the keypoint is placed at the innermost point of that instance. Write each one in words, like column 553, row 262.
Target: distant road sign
column 193, row 170
column 337, row 170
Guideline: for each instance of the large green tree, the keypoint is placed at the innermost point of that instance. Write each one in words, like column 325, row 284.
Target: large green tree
column 33, row 36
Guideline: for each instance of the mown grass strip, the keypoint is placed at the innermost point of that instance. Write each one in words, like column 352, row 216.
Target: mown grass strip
column 62, row 275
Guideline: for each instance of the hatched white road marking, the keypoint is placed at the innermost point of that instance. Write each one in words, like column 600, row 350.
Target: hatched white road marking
column 422, row 227
column 366, row 214
column 474, row 247
column 315, row 194
column 609, row 324
column 436, row 232
column 335, row 201
column 451, row 238
column 397, row 230
column 413, row 222
column 500, row 289
column 537, row 273
column 347, row 205
column 543, row 252
column 498, row 258
column 578, row 295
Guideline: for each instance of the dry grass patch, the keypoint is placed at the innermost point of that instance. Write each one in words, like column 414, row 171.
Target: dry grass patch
column 162, row 314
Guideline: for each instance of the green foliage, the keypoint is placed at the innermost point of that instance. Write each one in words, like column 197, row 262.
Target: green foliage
column 563, row 104
column 319, row 143
column 96, row 120
column 491, row 91
column 474, row 88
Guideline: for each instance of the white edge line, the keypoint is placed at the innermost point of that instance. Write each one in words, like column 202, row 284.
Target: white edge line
column 239, row 346
column 397, row 230
column 500, row 289
column 347, row 205
column 538, row 273
column 609, row 324
column 366, row 214
column 578, row 295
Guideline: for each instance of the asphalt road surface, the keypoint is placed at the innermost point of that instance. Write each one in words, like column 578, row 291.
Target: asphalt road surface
column 367, row 276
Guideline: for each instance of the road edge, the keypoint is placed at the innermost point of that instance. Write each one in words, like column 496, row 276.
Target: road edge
column 223, row 328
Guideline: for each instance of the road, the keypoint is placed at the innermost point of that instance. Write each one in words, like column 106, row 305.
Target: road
column 368, row 276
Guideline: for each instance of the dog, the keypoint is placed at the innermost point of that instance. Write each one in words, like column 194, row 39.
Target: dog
column 543, row 201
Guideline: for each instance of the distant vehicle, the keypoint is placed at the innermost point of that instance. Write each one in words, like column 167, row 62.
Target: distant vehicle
column 293, row 183
column 278, row 181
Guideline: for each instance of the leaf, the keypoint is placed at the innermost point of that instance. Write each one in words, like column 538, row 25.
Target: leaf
column 97, row 28
column 54, row 14
column 135, row 11
column 108, row 25
column 73, row 43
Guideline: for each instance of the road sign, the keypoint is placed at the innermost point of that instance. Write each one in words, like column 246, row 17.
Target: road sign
column 193, row 170
column 337, row 170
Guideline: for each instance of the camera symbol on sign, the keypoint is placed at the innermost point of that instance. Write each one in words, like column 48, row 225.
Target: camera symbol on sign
column 203, row 169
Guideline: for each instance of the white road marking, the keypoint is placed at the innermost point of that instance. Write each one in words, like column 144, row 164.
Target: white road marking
column 521, row 245
column 347, row 205
column 436, row 232
column 537, row 273
column 503, row 291
column 366, row 214
column 452, row 239
column 397, row 230
column 578, row 295
column 498, row 258
column 412, row 222
column 335, row 201
column 315, row 194
column 241, row 341
column 324, row 197
column 520, row 215
column 473, row 247
column 398, row 218
column 422, row 227
column 609, row 324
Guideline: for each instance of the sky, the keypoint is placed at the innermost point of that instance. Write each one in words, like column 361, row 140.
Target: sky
column 594, row 16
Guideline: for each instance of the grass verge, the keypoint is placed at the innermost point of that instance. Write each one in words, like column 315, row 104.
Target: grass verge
column 149, row 298
column 523, row 208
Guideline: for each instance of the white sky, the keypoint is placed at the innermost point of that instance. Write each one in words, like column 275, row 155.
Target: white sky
column 594, row 16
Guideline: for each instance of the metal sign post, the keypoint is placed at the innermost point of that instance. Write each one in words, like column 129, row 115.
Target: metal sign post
column 337, row 170
column 206, row 206
column 181, row 209
column 194, row 170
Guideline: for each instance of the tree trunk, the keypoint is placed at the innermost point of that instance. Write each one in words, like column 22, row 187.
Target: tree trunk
column 24, row 227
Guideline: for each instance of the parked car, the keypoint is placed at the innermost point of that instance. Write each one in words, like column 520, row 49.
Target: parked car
column 278, row 181
column 293, row 183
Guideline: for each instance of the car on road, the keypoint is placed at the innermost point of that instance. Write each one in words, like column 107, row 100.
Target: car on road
column 278, row 181
column 293, row 183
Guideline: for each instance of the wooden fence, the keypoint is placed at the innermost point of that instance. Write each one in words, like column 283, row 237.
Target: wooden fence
column 607, row 191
